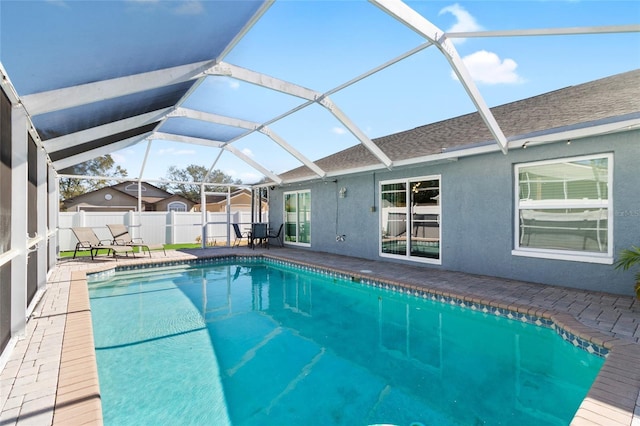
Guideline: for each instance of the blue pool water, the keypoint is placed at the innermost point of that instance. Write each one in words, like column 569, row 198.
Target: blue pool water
column 261, row 344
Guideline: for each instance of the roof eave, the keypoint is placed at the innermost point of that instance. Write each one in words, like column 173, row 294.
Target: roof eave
column 580, row 131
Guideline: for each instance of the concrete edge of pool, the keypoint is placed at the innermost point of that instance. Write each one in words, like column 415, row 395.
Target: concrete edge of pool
column 612, row 399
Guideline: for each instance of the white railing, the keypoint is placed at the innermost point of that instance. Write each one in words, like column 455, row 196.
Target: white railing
column 154, row 227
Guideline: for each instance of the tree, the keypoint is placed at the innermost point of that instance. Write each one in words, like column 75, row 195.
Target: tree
column 629, row 258
column 195, row 173
column 100, row 166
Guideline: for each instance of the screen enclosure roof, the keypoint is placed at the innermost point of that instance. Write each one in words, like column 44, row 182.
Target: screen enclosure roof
column 98, row 77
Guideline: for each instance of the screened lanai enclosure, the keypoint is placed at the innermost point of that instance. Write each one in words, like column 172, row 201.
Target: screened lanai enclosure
column 228, row 84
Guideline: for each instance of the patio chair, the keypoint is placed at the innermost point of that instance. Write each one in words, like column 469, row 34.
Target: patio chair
column 278, row 236
column 240, row 235
column 121, row 237
column 88, row 240
column 259, row 232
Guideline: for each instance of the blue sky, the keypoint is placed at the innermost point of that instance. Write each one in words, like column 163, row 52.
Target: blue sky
column 322, row 44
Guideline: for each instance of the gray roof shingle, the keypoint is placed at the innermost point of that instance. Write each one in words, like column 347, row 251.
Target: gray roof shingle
column 610, row 97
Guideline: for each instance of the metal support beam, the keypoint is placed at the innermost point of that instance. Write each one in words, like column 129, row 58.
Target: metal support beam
column 217, row 144
column 19, row 229
column 291, row 150
column 146, row 157
column 59, row 99
column 412, row 19
column 78, row 138
column 203, row 216
column 187, row 139
column 213, row 118
column 41, row 217
column 263, row 80
column 610, row 29
column 248, row 125
column 228, row 216
column 254, row 19
column 53, row 211
column 252, row 163
column 213, row 165
column 301, row 92
column 103, row 150
column 355, row 130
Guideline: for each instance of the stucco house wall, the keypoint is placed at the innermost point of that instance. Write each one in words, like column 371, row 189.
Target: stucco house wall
column 477, row 198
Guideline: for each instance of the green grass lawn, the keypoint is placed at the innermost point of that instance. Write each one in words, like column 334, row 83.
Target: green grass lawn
column 64, row 254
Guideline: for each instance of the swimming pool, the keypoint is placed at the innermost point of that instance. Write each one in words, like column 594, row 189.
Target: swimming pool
column 256, row 343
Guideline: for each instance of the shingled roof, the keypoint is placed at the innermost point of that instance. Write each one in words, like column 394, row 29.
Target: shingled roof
column 580, row 105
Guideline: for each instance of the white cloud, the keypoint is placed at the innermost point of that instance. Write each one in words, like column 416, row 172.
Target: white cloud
column 338, row 130
column 184, row 7
column 465, row 22
column 247, row 152
column 234, row 84
column 487, row 67
column 119, row 158
column 59, row 3
column 190, row 7
column 250, row 177
column 231, row 172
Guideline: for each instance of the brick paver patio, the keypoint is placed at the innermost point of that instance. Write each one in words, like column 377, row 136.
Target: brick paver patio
column 51, row 376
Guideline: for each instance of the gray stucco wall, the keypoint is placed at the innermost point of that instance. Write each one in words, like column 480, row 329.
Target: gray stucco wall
column 477, row 197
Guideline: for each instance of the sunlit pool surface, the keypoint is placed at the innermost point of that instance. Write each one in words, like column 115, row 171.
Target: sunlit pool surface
column 259, row 344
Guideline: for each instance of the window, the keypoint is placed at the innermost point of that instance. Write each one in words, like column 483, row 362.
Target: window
column 563, row 209
column 410, row 219
column 133, row 187
column 297, row 220
column 176, row 206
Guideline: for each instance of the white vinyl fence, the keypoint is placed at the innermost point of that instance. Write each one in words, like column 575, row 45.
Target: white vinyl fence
column 154, row 227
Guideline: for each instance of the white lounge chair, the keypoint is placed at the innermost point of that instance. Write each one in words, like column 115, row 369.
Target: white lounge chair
column 88, row 240
column 121, row 237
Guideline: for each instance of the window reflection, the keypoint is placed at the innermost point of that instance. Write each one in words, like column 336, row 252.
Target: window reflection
column 564, row 205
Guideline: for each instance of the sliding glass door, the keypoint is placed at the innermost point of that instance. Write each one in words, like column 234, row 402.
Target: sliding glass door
column 410, row 218
column 297, row 221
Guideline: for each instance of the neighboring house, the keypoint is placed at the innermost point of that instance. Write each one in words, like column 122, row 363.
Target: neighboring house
column 240, row 201
column 124, row 197
column 556, row 212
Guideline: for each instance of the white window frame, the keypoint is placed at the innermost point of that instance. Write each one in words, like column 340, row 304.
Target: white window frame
column 184, row 205
column 569, row 255
column 284, row 216
column 407, row 255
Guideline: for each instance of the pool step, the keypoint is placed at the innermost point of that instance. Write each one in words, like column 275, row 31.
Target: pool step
column 137, row 273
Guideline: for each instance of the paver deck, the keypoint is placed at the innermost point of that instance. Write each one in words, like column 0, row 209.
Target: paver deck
column 51, row 378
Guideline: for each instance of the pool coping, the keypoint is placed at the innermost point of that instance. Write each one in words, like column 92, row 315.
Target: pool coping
column 611, row 399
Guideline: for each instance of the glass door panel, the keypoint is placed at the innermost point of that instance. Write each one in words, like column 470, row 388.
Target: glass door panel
column 304, row 217
column 297, row 220
column 394, row 218
column 425, row 219
column 290, row 219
